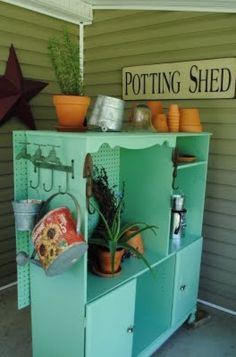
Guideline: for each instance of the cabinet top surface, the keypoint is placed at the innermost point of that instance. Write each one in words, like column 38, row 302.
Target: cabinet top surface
column 104, row 135
column 93, row 140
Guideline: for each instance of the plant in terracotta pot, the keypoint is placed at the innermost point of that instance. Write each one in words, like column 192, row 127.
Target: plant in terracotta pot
column 112, row 237
column 113, row 240
column 72, row 105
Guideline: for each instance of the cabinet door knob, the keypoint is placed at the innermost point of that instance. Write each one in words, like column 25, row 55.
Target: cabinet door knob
column 130, row 329
column 183, row 287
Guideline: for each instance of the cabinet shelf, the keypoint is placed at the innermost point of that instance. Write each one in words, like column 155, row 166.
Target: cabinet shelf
column 131, row 268
column 179, row 244
column 191, row 164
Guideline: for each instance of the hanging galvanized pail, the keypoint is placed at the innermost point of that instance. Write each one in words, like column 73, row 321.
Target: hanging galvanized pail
column 57, row 239
column 25, row 212
column 107, row 114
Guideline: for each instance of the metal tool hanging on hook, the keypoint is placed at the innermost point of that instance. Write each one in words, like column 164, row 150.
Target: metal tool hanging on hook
column 175, row 155
column 88, row 174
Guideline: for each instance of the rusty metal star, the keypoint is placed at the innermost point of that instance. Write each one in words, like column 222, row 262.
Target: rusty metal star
column 16, row 92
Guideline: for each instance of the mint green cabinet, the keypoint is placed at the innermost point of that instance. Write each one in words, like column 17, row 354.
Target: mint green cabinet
column 79, row 314
column 110, row 323
column 186, row 280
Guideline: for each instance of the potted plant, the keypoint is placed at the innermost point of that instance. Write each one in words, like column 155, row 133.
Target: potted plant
column 113, row 241
column 72, row 105
column 111, row 237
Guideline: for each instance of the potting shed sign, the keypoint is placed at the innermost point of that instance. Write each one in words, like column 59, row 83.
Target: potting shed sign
column 205, row 79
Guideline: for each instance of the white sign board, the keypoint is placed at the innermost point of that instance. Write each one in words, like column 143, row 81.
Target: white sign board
column 206, row 79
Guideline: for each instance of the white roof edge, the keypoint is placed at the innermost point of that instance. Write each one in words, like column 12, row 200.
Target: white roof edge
column 73, row 11
column 205, row 8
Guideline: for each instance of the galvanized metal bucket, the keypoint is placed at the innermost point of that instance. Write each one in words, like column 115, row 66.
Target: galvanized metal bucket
column 57, row 238
column 25, row 212
column 107, row 114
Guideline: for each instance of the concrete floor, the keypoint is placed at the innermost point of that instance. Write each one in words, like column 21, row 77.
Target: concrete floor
column 217, row 338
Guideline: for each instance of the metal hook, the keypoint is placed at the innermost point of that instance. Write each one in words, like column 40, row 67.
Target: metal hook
column 52, row 183
column 173, row 182
column 175, row 164
column 38, row 183
column 67, row 184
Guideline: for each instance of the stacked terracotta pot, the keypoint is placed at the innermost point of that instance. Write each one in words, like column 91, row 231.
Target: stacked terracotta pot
column 190, row 120
column 159, row 121
column 173, row 118
column 185, row 119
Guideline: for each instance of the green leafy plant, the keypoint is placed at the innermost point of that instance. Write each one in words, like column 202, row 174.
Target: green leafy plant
column 65, row 57
column 113, row 236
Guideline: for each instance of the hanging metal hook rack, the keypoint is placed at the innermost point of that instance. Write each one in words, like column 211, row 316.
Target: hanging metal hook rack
column 50, row 162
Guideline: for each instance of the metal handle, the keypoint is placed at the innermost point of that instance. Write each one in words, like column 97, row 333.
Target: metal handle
column 22, row 258
column 75, row 203
column 182, row 287
column 130, row 329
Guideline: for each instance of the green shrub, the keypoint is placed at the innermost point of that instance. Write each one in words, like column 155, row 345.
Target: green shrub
column 65, row 57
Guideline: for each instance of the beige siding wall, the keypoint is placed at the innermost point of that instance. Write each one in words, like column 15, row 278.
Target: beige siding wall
column 29, row 33
column 125, row 38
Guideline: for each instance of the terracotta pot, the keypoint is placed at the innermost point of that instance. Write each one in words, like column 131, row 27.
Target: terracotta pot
column 191, row 128
column 173, row 109
column 190, row 112
column 159, row 122
column 173, row 124
column 71, row 110
column 136, row 241
column 190, row 121
column 173, row 118
column 189, row 116
column 104, row 260
column 156, row 107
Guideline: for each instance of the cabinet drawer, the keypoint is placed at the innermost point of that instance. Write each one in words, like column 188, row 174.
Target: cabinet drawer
column 186, row 280
column 110, row 323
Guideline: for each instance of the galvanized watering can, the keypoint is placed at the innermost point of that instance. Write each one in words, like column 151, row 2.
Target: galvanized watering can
column 57, row 240
column 107, row 114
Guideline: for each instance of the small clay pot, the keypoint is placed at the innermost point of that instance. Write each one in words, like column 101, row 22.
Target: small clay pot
column 189, row 116
column 159, row 123
column 173, row 118
column 173, row 109
column 191, row 128
column 136, row 241
column 71, row 110
column 156, row 107
column 105, row 263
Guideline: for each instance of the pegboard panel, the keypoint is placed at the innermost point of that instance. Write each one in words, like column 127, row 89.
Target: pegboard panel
column 110, row 160
column 22, row 238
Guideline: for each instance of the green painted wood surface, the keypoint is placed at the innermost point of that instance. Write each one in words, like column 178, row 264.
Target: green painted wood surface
column 107, row 322
column 186, row 280
column 154, row 299
column 148, row 176
column 126, row 38
column 61, row 298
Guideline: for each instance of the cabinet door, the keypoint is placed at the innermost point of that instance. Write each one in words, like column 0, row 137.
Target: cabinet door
column 186, row 280
column 110, row 319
